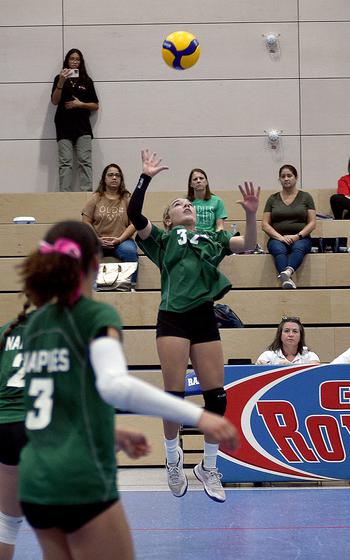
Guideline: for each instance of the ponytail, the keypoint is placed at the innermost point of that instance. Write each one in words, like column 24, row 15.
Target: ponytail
column 56, row 269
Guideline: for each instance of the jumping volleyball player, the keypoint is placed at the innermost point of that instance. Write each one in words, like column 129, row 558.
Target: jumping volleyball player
column 186, row 326
column 75, row 376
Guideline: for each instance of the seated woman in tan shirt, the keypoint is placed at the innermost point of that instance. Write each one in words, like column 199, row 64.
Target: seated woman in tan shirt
column 106, row 212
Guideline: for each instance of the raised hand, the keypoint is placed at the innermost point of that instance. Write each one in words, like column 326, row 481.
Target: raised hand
column 250, row 196
column 151, row 163
column 65, row 73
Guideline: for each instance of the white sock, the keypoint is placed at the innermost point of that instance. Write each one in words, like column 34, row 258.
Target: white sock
column 172, row 454
column 210, row 455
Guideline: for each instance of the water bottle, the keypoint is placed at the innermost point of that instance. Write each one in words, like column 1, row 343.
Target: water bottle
column 234, row 229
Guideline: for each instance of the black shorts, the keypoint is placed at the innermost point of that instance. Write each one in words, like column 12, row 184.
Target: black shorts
column 197, row 325
column 12, row 439
column 68, row 518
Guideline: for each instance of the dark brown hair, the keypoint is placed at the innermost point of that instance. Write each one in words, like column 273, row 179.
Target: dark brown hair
column 291, row 168
column 190, row 189
column 102, row 184
column 277, row 342
column 82, row 69
column 55, row 275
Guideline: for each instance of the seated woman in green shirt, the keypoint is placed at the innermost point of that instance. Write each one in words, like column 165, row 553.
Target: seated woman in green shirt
column 210, row 209
column 188, row 261
column 289, row 218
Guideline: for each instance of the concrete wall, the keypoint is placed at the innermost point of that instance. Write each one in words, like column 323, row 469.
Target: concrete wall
column 211, row 116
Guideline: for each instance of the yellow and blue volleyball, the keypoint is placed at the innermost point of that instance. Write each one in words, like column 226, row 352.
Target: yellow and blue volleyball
column 181, row 50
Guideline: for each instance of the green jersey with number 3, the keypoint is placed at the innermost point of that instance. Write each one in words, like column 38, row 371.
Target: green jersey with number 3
column 70, row 455
column 188, row 262
column 12, row 376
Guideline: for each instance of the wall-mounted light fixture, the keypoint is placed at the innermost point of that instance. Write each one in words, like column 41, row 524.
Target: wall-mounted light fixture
column 273, row 137
column 272, row 42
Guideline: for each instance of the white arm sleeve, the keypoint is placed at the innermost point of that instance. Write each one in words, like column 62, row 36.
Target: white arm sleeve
column 122, row 391
column 344, row 358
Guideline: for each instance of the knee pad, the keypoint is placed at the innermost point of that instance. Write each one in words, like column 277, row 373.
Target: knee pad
column 215, row 400
column 9, row 527
column 179, row 394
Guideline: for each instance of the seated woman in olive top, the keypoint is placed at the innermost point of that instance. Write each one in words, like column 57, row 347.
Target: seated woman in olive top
column 289, row 218
column 210, row 209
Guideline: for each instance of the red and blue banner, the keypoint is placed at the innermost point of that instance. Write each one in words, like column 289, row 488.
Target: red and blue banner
column 294, row 423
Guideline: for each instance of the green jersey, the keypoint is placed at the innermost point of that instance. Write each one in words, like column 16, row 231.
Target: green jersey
column 70, row 455
column 12, row 376
column 289, row 219
column 208, row 212
column 188, row 262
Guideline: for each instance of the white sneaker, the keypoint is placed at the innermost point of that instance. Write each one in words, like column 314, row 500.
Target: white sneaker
column 211, row 480
column 285, row 275
column 287, row 282
column 177, row 480
column 288, row 285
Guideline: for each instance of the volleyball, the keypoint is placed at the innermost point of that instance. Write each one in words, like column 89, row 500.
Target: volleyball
column 181, row 50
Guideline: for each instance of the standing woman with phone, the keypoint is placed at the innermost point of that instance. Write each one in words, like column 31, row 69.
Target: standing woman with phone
column 74, row 94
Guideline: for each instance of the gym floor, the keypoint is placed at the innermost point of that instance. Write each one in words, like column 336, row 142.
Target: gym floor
column 268, row 523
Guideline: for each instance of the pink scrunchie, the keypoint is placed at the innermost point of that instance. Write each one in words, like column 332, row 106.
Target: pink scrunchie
column 63, row 246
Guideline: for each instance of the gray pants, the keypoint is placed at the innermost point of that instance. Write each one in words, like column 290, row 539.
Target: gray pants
column 65, row 163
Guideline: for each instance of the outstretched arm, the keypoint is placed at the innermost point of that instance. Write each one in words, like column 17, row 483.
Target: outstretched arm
column 250, row 203
column 151, row 165
column 125, row 392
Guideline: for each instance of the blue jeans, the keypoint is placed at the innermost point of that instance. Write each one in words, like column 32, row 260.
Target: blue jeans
column 289, row 255
column 126, row 252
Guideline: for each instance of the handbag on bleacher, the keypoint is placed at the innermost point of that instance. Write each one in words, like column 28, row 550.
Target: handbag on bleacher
column 115, row 277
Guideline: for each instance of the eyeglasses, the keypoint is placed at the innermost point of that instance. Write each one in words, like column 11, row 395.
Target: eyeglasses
column 291, row 319
column 113, row 175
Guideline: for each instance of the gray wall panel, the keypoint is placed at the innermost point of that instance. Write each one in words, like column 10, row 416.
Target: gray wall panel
column 182, row 11
column 213, row 115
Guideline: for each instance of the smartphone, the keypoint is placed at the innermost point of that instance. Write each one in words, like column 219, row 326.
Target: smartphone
column 74, row 73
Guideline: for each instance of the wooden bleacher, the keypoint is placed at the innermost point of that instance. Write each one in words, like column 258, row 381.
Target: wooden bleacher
column 321, row 300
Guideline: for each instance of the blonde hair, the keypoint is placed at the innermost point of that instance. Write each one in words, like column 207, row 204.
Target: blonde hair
column 166, row 213
column 166, row 216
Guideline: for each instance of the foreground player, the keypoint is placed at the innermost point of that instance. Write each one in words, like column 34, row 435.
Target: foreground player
column 75, row 375
column 12, row 432
column 186, row 326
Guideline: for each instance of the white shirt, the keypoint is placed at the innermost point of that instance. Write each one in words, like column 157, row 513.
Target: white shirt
column 344, row 358
column 275, row 357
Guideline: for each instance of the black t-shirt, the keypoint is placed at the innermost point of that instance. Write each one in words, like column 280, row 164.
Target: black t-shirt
column 72, row 123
